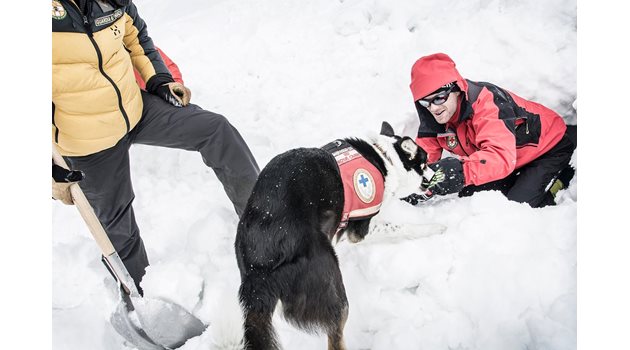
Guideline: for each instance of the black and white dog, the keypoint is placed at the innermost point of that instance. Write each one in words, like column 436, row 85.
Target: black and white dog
column 298, row 204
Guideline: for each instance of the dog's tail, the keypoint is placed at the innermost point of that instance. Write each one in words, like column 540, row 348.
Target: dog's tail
column 258, row 306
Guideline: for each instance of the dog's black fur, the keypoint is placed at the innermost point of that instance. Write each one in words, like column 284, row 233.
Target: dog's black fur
column 283, row 242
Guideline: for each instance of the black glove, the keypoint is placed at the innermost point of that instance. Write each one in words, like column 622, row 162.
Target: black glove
column 174, row 93
column 61, row 174
column 62, row 179
column 448, row 177
column 416, row 198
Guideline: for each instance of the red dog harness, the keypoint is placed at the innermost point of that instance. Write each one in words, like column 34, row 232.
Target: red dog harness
column 363, row 184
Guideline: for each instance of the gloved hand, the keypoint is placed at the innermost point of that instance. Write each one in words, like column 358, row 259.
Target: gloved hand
column 174, row 93
column 416, row 198
column 62, row 178
column 448, row 177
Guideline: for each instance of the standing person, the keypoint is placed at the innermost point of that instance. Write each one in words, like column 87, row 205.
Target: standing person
column 99, row 112
column 503, row 142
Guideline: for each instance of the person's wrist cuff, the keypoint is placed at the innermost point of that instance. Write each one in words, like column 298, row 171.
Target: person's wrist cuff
column 158, row 80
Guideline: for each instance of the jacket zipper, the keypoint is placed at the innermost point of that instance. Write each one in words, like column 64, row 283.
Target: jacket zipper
column 526, row 127
column 460, row 144
column 88, row 29
column 53, row 123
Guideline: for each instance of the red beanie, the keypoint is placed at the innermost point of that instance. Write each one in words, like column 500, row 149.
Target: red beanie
column 429, row 73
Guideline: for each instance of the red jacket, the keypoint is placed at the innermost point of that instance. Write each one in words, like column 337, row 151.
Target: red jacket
column 172, row 67
column 494, row 131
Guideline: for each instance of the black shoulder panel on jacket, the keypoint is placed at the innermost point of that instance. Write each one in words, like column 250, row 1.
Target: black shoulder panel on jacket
column 527, row 129
column 501, row 99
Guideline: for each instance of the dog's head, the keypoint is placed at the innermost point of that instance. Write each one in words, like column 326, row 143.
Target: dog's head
column 411, row 155
column 406, row 168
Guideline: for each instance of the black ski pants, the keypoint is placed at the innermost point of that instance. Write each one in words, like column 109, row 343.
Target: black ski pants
column 107, row 183
column 529, row 184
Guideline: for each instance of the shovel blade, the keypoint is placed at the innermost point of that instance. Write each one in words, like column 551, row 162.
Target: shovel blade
column 130, row 330
column 155, row 324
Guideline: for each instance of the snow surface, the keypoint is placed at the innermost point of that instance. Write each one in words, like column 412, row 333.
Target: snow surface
column 301, row 73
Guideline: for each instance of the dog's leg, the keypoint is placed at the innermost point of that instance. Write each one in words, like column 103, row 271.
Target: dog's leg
column 259, row 332
column 357, row 230
column 258, row 304
column 335, row 339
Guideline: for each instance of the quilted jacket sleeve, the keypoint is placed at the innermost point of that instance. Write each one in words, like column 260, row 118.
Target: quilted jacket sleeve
column 144, row 56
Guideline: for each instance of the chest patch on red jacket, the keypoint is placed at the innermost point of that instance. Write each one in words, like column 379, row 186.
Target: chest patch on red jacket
column 363, row 184
column 451, row 138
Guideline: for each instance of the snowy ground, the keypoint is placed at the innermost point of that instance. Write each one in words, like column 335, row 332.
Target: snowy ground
column 302, row 73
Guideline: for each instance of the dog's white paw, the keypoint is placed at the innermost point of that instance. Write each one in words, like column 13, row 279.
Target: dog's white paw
column 353, row 237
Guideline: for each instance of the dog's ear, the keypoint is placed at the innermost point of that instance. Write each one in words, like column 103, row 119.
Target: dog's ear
column 410, row 147
column 387, row 130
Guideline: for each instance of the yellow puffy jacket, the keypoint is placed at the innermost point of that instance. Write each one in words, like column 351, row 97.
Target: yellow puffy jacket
column 95, row 97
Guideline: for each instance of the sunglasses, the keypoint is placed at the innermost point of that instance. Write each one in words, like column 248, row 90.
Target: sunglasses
column 438, row 99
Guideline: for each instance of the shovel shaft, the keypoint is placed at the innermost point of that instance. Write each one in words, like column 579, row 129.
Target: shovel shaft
column 94, row 225
column 86, row 211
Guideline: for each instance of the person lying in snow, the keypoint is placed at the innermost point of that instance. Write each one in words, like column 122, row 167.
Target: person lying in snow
column 503, row 141
column 99, row 111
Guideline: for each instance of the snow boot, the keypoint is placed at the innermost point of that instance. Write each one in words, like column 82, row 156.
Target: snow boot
column 562, row 181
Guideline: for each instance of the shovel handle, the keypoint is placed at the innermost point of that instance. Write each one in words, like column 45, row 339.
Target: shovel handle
column 86, row 211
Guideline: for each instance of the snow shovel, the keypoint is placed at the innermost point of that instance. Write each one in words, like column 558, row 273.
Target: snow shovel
column 147, row 323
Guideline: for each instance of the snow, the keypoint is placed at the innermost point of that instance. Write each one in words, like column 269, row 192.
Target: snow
column 286, row 73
